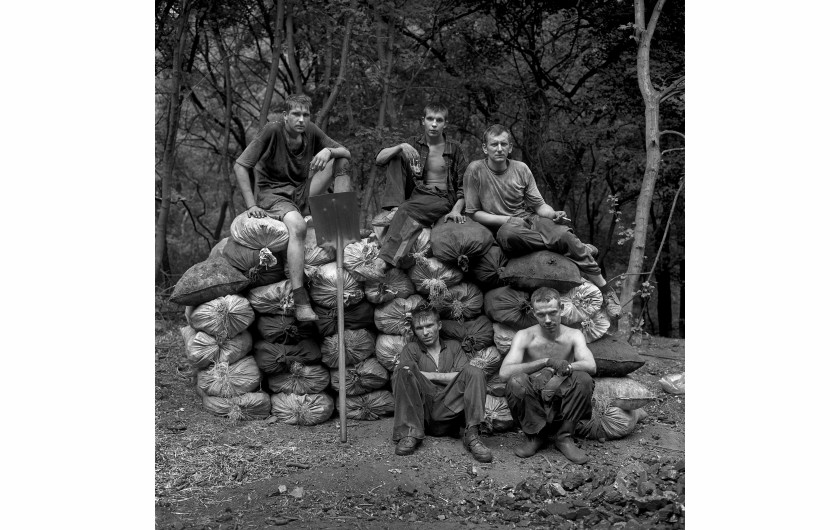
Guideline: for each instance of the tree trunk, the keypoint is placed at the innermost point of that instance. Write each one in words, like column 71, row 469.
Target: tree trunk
column 290, row 52
column 169, row 145
column 276, row 52
column 663, row 290
column 345, row 49
column 682, row 299
column 226, row 169
column 644, row 34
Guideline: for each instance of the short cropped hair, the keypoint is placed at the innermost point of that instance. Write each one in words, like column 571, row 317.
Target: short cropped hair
column 496, row 129
column 297, row 100
column 546, row 295
column 422, row 314
column 436, row 107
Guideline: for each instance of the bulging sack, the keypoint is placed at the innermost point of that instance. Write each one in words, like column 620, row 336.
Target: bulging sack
column 458, row 244
column 300, row 379
column 246, row 407
column 580, row 303
column 487, row 359
column 356, row 316
column 259, row 233
column 228, row 380
column 541, row 269
column 510, row 307
column 261, row 267
column 473, row 335
column 364, row 377
column 283, row 329
column 432, row 277
column 495, row 386
column 611, row 424
column 488, row 267
column 394, row 317
column 273, row 299
column 206, row 281
column 503, row 337
column 202, row 349
column 594, row 327
column 275, row 358
column 396, row 284
column 359, row 344
column 216, row 251
column 621, row 392
column 463, row 301
column 324, row 287
column 370, row 406
column 308, row 409
column 388, row 349
column 361, row 259
column 497, row 416
column 223, row 317
column 614, row 357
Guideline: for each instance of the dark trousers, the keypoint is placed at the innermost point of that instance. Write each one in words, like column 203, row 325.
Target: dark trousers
column 573, row 402
column 420, row 405
column 544, row 234
column 423, row 207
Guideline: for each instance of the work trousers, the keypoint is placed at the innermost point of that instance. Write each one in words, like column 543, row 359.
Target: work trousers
column 540, row 233
column 572, row 402
column 420, row 405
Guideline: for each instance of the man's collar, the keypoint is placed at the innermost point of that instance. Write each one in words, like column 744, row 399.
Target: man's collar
column 447, row 145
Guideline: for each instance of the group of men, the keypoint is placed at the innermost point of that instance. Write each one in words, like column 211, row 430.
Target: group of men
column 548, row 368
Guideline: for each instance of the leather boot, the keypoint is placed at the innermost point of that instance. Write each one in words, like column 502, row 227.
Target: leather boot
column 528, row 448
column 563, row 442
column 474, row 445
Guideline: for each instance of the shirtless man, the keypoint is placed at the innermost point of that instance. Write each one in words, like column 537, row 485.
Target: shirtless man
column 424, row 178
column 549, row 387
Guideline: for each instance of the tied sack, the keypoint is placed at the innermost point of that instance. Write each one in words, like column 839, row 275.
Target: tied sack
column 202, row 349
column 497, row 416
column 580, row 303
column 457, row 244
column 228, row 380
column 308, row 409
column 370, row 406
column 275, row 358
column 206, row 281
column 359, row 344
column 394, row 317
column 259, row 233
column 261, row 267
column 611, row 424
column 300, row 379
column 223, row 317
column 365, row 377
column 541, row 269
column 324, row 287
column 396, row 284
column 313, row 255
column 356, row 316
column 388, row 349
column 487, row 268
column 273, row 299
column 216, row 251
column 510, row 307
column 594, row 327
column 246, row 407
column 487, row 359
column 432, row 277
column 283, row 329
column 621, row 392
column 473, row 335
column 361, row 259
column 614, row 357
column 463, row 301
column 503, row 337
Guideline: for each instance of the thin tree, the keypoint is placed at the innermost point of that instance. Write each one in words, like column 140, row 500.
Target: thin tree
column 276, row 52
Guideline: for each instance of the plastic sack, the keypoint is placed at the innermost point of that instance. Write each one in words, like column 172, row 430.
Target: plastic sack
column 541, row 269
column 370, row 406
column 300, row 379
column 216, row 251
column 458, row 243
column 594, row 327
column 261, row 267
column 381, row 222
column 580, row 303
column 488, row 267
column 284, row 329
column 206, row 281
column 396, row 284
column 202, row 349
column 273, row 299
column 463, row 301
column 487, row 359
column 324, row 286
column 510, row 307
column 497, row 416
column 611, row 424
column 228, row 380
column 394, row 317
column 259, row 233
column 614, row 357
column 503, row 337
column 359, row 344
column 223, row 317
column 673, row 383
column 473, row 335
column 364, row 377
column 432, row 278
column 308, row 409
column 621, row 392
column 388, row 349
column 356, row 316
column 275, row 358
column 361, row 259
column 245, row 407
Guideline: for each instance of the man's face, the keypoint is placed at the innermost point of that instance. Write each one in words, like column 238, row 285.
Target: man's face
column 427, row 331
column 548, row 315
column 434, row 123
column 497, row 147
column 296, row 119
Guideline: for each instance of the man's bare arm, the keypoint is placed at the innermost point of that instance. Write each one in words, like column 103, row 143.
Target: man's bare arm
column 243, row 178
column 513, row 364
column 388, row 153
column 488, row 219
column 584, row 361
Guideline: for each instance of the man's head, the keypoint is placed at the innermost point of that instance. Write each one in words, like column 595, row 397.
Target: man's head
column 496, row 142
column 434, row 119
column 425, row 323
column 296, row 113
column 546, row 306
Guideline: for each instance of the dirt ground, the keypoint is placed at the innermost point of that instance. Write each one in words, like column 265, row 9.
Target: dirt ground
column 213, row 474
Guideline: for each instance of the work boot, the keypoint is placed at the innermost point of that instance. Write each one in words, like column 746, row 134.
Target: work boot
column 303, row 311
column 611, row 303
column 528, row 448
column 406, row 446
column 563, row 442
column 474, row 445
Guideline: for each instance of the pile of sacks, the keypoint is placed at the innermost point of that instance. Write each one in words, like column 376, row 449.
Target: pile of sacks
column 483, row 299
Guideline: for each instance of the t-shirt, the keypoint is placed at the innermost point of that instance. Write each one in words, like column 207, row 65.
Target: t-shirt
column 451, row 358
column 276, row 168
column 513, row 192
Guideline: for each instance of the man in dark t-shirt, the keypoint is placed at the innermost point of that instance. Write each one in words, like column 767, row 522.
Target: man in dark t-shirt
column 289, row 162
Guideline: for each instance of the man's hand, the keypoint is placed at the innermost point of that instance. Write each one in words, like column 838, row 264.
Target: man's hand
column 455, row 217
column 560, row 216
column 320, row 160
column 560, row 367
column 516, row 221
column 410, row 153
column 256, row 211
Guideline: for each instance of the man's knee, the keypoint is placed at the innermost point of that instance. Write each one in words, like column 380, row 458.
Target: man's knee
column 296, row 225
column 583, row 381
column 473, row 372
column 517, row 385
column 404, row 370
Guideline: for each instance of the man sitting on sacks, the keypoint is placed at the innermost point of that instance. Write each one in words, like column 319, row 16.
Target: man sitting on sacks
column 436, row 389
column 424, row 178
column 502, row 195
column 549, row 388
column 288, row 159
